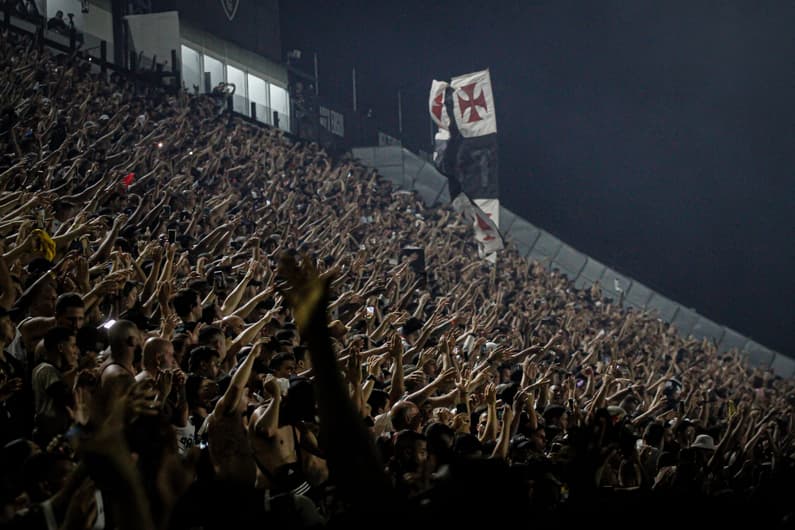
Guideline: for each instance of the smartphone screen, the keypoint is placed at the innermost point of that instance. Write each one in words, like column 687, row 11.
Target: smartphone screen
column 172, row 235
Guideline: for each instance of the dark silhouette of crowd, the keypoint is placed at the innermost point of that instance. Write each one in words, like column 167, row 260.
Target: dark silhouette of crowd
column 207, row 323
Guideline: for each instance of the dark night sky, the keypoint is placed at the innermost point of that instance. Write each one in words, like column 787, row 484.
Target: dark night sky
column 657, row 137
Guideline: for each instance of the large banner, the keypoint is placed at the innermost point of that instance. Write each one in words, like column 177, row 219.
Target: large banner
column 473, row 104
column 466, row 152
column 466, row 146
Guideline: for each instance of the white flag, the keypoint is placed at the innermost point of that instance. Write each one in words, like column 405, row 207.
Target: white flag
column 436, row 104
column 487, row 235
column 490, row 207
column 473, row 104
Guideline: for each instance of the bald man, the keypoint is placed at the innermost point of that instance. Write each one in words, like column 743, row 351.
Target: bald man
column 117, row 372
column 158, row 355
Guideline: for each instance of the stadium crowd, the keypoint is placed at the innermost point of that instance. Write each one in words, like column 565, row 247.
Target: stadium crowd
column 206, row 323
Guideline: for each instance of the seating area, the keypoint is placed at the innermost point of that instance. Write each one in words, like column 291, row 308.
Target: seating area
column 206, row 322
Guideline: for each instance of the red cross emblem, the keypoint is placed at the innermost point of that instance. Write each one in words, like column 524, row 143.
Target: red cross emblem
column 482, row 224
column 438, row 105
column 472, row 102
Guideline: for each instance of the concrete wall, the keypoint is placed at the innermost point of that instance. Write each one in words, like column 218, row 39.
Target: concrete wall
column 408, row 171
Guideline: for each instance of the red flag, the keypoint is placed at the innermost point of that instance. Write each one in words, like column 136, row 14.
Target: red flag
column 128, row 179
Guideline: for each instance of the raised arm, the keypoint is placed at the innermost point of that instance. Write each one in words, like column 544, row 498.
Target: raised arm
column 240, row 379
column 503, row 442
column 266, row 417
column 397, row 386
column 246, row 336
column 419, row 397
column 233, row 299
column 352, row 457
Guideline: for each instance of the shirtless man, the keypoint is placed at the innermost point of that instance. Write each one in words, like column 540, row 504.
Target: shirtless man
column 230, row 450
column 117, row 372
column 283, row 450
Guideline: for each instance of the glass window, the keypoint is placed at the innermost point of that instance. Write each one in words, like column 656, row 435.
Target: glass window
column 191, row 70
column 258, row 94
column 280, row 102
column 257, row 90
column 216, row 70
column 237, row 77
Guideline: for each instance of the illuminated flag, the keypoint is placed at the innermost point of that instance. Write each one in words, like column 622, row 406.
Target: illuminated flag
column 466, row 150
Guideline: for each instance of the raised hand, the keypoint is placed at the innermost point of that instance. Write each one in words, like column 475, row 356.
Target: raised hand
column 163, row 297
column 271, row 386
column 479, row 380
column 425, row 357
column 306, row 292
column 164, row 383
column 374, row 363
column 194, row 335
column 169, row 324
column 447, row 375
column 416, row 377
column 462, row 423
column 81, row 412
column 353, row 368
column 396, row 346
column 507, row 414
column 519, row 401
column 490, row 394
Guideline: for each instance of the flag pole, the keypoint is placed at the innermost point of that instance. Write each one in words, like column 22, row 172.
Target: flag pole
column 433, row 136
column 354, row 89
column 400, row 114
column 317, row 83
